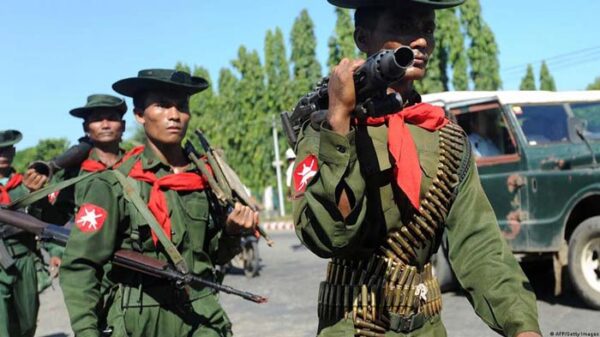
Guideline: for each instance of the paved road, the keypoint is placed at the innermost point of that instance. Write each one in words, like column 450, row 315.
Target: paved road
column 289, row 278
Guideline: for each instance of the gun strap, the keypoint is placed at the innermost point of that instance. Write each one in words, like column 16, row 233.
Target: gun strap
column 32, row 197
column 132, row 195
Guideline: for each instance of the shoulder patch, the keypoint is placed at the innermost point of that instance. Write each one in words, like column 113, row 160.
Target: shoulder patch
column 90, row 218
column 305, row 171
column 53, row 196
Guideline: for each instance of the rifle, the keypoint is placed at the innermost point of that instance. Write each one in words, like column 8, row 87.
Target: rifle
column 225, row 184
column 72, row 157
column 371, row 81
column 123, row 258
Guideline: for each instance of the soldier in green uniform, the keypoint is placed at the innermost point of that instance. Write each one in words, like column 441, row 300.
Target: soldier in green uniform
column 183, row 216
column 103, row 126
column 376, row 195
column 19, row 302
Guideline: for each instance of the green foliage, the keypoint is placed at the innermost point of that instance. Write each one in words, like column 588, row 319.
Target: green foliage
column 595, row 85
column 46, row 149
column 341, row 43
column 448, row 54
column 306, row 67
column 546, row 79
column 528, row 81
column 483, row 51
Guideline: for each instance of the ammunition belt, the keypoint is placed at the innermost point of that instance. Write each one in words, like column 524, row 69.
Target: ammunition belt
column 378, row 296
column 388, row 292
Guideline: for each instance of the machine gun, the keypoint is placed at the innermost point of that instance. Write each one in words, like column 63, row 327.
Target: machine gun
column 72, row 157
column 123, row 258
column 371, row 81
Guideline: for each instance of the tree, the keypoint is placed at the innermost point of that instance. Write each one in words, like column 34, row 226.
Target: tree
column 306, row 67
column 528, row 81
column 277, row 73
column 341, row 43
column 483, row 50
column 253, row 157
column 46, row 149
column 546, row 79
column 595, row 85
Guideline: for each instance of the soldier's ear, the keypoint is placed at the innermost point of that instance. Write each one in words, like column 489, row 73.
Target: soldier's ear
column 85, row 127
column 361, row 38
column 139, row 115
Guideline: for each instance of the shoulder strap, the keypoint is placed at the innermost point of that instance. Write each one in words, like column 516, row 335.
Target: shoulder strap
column 32, row 197
column 133, row 197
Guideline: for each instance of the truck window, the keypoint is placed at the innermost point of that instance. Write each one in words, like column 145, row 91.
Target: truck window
column 543, row 124
column 590, row 112
column 487, row 132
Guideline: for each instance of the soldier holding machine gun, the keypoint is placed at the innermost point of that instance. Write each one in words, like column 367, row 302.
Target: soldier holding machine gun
column 158, row 204
column 375, row 188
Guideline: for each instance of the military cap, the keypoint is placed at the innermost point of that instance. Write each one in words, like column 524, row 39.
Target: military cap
column 10, row 137
column 434, row 4
column 160, row 79
column 100, row 101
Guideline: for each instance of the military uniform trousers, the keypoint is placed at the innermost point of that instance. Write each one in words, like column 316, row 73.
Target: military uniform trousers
column 161, row 311
column 19, row 301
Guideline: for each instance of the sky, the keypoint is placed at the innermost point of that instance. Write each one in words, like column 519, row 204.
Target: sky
column 55, row 53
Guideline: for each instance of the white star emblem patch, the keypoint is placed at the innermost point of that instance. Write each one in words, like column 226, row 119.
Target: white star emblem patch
column 90, row 218
column 305, row 172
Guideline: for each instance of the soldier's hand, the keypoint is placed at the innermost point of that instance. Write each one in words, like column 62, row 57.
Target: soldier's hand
column 342, row 95
column 241, row 219
column 34, row 180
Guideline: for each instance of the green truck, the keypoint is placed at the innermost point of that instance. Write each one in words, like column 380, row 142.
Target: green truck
column 537, row 153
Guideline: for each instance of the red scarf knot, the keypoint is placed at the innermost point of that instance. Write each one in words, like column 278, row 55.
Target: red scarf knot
column 401, row 145
column 158, row 202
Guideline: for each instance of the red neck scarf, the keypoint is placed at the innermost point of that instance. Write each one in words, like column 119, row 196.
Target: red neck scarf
column 158, row 201
column 91, row 165
column 14, row 181
column 402, row 146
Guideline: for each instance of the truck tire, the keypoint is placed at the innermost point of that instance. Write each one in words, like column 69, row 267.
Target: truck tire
column 443, row 271
column 584, row 261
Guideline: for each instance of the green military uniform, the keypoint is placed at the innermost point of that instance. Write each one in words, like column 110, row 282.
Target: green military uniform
column 19, row 301
column 59, row 207
column 380, row 281
column 138, row 305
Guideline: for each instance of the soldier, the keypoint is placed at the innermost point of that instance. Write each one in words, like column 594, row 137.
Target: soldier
column 376, row 194
column 19, row 302
column 103, row 126
column 180, row 221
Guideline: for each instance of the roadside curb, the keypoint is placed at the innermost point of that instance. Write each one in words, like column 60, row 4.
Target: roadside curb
column 278, row 226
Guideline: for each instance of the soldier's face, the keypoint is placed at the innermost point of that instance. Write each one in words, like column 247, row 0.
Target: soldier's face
column 409, row 26
column 104, row 126
column 7, row 154
column 165, row 117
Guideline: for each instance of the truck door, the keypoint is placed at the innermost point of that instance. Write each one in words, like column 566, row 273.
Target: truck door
column 499, row 161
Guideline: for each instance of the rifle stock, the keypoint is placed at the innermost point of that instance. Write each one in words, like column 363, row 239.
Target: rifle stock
column 227, row 186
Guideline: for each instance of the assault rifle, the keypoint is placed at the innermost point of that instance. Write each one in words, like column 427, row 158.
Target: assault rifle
column 123, row 258
column 226, row 185
column 371, row 81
